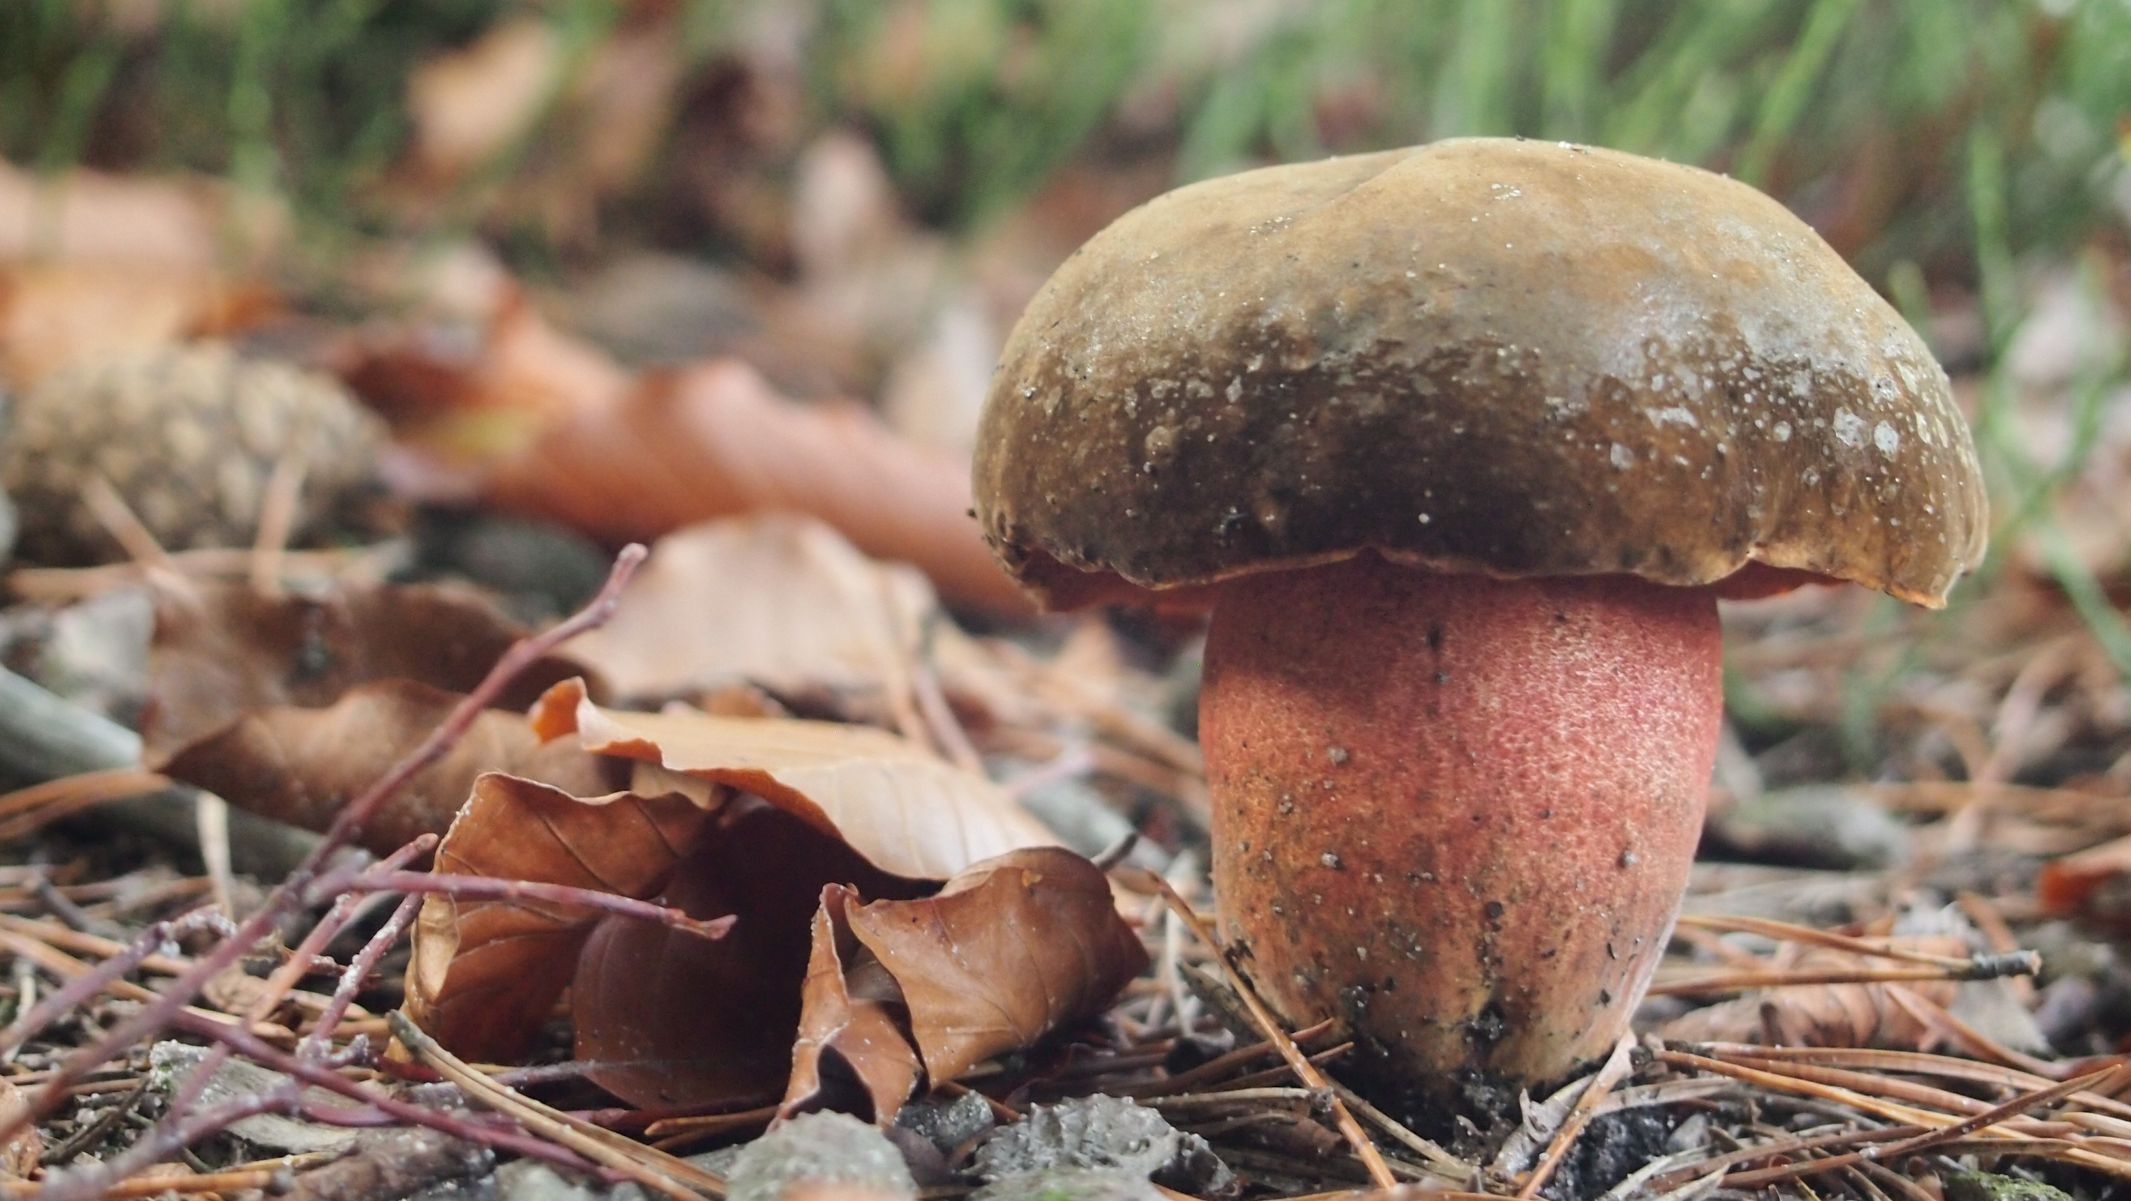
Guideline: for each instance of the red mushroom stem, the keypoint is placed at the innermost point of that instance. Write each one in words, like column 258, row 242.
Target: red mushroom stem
column 1458, row 812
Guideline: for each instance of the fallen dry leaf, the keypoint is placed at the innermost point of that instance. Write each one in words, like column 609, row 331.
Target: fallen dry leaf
column 782, row 809
column 853, row 1052
column 714, row 440
column 467, row 107
column 600, row 119
column 290, row 705
column 485, row 974
column 223, row 649
column 1013, row 948
column 907, row 811
column 673, row 1020
column 773, row 599
column 93, row 263
column 551, row 426
column 1010, row 951
column 301, row 766
column 466, row 402
column 56, row 314
column 24, row 1150
column 2093, row 885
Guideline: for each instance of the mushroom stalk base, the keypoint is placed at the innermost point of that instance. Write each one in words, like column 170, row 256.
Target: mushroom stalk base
column 1457, row 812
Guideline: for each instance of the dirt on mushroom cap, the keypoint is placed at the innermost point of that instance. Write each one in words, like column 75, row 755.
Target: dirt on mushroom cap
column 1513, row 357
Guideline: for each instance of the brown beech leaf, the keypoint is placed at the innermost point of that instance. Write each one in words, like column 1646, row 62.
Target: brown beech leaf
column 715, row 439
column 2093, row 885
column 469, row 402
column 669, row 1019
column 853, row 1051
column 23, row 1150
column 93, row 263
column 782, row 809
column 290, row 705
column 223, row 649
column 773, row 599
column 302, row 765
column 486, row 973
column 1011, row 950
column 907, row 811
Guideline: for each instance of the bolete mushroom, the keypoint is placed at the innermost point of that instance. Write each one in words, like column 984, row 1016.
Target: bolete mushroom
column 1463, row 444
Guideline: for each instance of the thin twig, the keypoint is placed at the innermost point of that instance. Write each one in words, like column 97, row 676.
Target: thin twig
column 265, row 1180
column 648, row 1166
column 282, row 981
column 125, row 527
column 2010, row 962
column 278, row 508
column 1988, row 968
column 77, row 991
column 489, row 888
column 1609, row 1074
column 1365, row 1150
column 352, row 980
column 290, row 893
column 1932, row 1138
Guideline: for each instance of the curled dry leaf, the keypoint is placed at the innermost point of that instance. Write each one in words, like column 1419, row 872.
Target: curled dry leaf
column 289, row 705
column 782, row 809
column 853, row 1051
column 773, row 599
column 485, row 974
column 907, row 811
column 1011, row 950
column 674, row 1020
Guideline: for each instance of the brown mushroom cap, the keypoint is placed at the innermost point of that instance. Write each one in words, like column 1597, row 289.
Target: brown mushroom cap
column 1517, row 358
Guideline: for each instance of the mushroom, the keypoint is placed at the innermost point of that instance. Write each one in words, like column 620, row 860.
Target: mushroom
column 1462, row 444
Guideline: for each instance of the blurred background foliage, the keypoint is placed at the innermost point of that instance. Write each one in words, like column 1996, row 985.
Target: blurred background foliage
column 1972, row 157
column 1869, row 116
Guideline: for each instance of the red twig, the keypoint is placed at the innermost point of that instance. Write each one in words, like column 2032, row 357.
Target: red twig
column 490, row 888
column 313, row 946
column 359, row 969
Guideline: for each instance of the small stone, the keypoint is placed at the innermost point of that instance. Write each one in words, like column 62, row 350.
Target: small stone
column 1988, row 1186
column 819, row 1149
column 1094, row 1144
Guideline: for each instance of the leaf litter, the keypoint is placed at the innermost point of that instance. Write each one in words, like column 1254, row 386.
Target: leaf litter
column 843, row 776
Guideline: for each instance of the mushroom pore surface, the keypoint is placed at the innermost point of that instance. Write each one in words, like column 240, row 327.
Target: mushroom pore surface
column 1454, row 811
